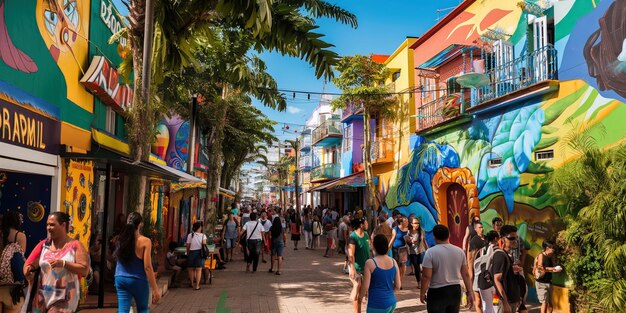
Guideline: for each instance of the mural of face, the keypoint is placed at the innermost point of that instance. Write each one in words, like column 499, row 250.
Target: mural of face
column 9, row 53
column 64, row 27
column 605, row 50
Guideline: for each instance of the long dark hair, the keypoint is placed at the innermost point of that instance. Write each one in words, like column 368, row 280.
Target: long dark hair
column 10, row 220
column 127, row 239
column 277, row 227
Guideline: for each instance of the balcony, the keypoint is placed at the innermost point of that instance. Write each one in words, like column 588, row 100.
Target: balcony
column 529, row 75
column 352, row 111
column 438, row 111
column 328, row 133
column 381, row 151
column 305, row 143
column 325, row 172
column 304, row 163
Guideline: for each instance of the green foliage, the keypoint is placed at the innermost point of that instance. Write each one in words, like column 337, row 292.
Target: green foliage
column 152, row 231
column 362, row 81
column 593, row 188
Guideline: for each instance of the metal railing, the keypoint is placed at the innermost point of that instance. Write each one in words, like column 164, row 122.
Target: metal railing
column 436, row 111
column 351, row 109
column 304, row 161
column 524, row 71
column 305, row 142
column 381, row 149
column 326, row 171
column 327, row 128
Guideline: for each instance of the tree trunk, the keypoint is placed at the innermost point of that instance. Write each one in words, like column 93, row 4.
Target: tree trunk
column 139, row 136
column 214, row 173
column 373, row 196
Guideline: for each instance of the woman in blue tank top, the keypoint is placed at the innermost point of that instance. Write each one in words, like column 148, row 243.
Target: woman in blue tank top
column 134, row 276
column 380, row 278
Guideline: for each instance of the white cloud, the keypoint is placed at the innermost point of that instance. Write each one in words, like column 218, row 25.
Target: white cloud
column 293, row 110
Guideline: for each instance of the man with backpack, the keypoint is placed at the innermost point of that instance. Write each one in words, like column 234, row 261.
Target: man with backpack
column 504, row 270
column 475, row 245
column 483, row 282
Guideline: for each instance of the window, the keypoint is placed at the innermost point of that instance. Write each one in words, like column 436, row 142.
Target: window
column 395, row 76
column 347, row 138
column 110, row 120
column 544, row 155
column 495, row 162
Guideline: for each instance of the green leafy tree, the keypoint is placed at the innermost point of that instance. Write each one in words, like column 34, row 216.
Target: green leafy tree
column 362, row 82
column 593, row 189
column 181, row 28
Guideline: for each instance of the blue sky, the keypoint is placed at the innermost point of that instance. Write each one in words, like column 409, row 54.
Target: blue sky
column 383, row 26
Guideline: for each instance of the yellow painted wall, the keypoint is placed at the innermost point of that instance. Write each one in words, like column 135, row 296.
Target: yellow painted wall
column 402, row 60
column 76, row 200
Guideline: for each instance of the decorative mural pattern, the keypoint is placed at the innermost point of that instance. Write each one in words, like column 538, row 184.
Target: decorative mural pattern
column 172, row 144
column 76, row 198
column 592, row 74
column 29, row 195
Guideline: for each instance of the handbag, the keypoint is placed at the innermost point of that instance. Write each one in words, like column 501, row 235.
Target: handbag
column 403, row 254
column 204, row 250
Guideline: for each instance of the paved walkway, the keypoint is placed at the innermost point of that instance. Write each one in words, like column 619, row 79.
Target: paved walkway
column 309, row 283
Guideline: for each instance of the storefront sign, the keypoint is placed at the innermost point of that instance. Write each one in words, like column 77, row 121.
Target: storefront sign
column 104, row 81
column 109, row 15
column 25, row 128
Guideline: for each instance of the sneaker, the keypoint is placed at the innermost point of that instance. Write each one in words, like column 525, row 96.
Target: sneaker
column 270, row 271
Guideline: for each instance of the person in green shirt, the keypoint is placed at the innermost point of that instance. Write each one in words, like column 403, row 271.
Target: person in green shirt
column 358, row 253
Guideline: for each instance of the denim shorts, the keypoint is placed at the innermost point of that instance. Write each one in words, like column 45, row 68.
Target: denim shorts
column 277, row 247
column 230, row 243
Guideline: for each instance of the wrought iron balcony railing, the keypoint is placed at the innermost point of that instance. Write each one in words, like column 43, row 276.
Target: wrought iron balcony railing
column 381, row 150
column 438, row 111
column 305, row 142
column 304, row 162
column 524, row 71
column 331, row 127
column 325, row 172
column 351, row 110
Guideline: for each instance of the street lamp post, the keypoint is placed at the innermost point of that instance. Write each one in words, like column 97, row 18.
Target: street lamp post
column 297, row 171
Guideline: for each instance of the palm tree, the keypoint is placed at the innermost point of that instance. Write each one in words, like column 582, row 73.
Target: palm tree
column 362, row 82
column 593, row 189
column 183, row 27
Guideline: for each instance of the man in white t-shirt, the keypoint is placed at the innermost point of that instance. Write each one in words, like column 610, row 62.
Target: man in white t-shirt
column 390, row 221
column 444, row 266
column 253, row 230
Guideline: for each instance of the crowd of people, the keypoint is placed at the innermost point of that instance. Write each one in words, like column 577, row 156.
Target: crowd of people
column 488, row 267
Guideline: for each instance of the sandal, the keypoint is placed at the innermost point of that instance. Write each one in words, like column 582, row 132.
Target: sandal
column 271, row 271
column 277, row 273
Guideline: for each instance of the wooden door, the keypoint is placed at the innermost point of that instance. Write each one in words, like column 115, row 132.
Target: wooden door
column 458, row 213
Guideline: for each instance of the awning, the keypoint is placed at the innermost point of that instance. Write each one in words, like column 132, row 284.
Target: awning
column 351, row 181
column 201, row 185
column 184, row 177
column 107, row 148
column 443, row 56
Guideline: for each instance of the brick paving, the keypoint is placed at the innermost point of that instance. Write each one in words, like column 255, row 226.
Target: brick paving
column 309, row 283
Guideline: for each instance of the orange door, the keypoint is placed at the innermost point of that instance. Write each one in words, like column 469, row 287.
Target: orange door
column 458, row 213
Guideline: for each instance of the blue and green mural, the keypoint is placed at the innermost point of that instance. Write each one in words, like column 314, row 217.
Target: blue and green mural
column 493, row 156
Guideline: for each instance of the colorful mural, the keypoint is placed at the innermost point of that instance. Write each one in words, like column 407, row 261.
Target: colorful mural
column 76, row 197
column 30, row 196
column 494, row 155
column 172, row 142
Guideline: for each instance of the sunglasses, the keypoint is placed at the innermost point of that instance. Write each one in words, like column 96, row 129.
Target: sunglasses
column 511, row 238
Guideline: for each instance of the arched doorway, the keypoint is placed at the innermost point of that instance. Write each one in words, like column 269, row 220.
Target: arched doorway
column 458, row 213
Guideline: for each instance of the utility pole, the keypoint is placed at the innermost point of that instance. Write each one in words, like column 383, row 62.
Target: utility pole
column 191, row 151
column 297, row 171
